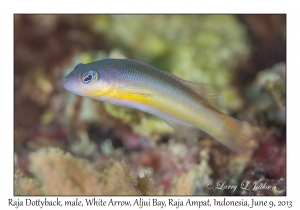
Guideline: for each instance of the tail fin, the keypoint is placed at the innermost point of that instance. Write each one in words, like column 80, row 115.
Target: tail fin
column 239, row 136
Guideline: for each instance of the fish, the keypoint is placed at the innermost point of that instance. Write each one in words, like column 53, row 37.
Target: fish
column 187, row 106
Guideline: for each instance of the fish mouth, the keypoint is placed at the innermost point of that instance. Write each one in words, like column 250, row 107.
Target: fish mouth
column 65, row 83
column 70, row 85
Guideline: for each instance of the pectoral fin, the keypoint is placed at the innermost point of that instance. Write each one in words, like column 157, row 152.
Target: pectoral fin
column 135, row 90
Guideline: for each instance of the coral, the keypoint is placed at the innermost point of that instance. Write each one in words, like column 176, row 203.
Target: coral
column 53, row 169
column 55, row 172
column 268, row 167
column 28, row 186
column 146, row 185
column 184, row 185
column 271, row 84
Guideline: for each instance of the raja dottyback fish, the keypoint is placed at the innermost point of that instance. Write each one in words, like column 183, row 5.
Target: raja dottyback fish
column 186, row 106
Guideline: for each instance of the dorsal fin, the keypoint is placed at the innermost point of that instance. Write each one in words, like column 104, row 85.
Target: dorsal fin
column 208, row 92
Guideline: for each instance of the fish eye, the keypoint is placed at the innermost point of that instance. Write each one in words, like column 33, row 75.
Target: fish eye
column 88, row 76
